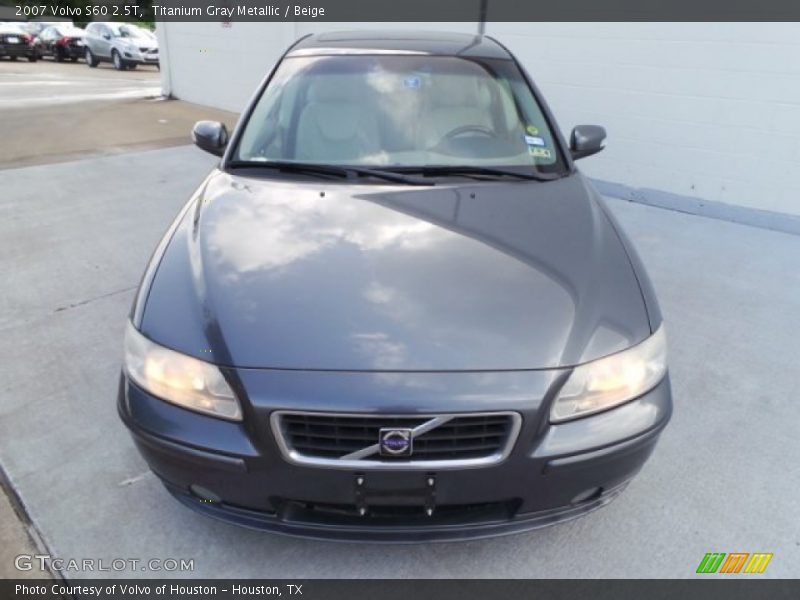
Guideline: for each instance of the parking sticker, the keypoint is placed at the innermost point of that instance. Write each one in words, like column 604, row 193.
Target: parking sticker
column 539, row 152
column 534, row 141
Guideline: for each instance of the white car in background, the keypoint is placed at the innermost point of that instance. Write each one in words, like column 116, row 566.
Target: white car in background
column 123, row 44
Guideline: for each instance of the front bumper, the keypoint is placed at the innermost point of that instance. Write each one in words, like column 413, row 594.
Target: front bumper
column 140, row 58
column 554, row 472
column 74, row 50
column 19, row 50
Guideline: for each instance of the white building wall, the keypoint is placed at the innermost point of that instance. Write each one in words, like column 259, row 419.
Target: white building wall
column 710, row 110
column 218, row 66
column 221, row 66
column 706, row 110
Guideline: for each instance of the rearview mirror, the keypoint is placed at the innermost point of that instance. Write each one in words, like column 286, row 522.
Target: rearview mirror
column 211, row 136
column 586, row 140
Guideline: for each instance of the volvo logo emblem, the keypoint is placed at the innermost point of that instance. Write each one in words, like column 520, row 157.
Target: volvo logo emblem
column 395, row 442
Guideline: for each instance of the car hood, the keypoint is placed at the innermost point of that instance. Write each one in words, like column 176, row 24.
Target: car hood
column 139, row 43
column 492, row 276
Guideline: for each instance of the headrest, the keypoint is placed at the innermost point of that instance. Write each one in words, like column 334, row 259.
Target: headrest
column 335, row 88
column 460, row 90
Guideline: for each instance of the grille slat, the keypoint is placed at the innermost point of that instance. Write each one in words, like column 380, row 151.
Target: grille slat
column 463, row 437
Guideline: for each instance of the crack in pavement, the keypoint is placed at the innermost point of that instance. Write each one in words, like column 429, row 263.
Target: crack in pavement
column 132, row 480
column 89, row 300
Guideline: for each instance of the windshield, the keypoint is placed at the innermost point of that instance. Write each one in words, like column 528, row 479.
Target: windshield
column 399, row 111
column 70, row 31
column 130, row 31
column 12, row 28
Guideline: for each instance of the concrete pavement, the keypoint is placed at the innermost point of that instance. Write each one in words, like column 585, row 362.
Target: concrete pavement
column 47, row 82
column 75, row 238
column 18, row 539
column 51, row 112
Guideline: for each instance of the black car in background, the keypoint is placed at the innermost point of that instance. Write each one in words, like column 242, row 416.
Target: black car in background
column 62, row 42
column 35, row 28
column 16, row 43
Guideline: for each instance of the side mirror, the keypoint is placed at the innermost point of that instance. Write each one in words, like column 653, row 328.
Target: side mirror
column 106, row 36
column 586, row 140
column 210, row 136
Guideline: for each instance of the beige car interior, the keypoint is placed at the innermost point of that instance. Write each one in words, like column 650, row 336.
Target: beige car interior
column 385, row 117
column 395, row 119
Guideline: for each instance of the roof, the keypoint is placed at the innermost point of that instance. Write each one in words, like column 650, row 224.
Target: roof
column 399, row 42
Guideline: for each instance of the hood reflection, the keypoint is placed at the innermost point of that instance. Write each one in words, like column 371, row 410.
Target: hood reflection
column 481, row 277
column 273, row 231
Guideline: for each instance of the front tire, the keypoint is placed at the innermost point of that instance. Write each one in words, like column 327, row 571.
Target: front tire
column 90, row 59
column 119, row 65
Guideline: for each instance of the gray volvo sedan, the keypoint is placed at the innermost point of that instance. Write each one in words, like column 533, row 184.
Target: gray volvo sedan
column 395, row 310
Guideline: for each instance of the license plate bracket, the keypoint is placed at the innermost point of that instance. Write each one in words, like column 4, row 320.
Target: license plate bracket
column 369, row 495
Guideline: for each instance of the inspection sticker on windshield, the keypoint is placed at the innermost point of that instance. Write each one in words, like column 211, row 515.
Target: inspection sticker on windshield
column 539, row 152
column 531, row 129
column 411, row 83
column 532, row 140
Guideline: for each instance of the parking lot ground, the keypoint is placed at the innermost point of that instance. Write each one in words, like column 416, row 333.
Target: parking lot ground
column 17, row 540
column 75, row 238
column 52, row 112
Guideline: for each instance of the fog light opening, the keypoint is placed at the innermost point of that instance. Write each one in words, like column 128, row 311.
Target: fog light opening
column 587, row 495
column 204, row 495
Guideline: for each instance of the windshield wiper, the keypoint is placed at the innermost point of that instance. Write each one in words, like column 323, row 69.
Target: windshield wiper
column 477, row 172
column 331, row 170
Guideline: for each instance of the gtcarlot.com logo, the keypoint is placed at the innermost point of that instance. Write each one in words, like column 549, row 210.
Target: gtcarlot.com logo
column 28, row 562
column 735, row 562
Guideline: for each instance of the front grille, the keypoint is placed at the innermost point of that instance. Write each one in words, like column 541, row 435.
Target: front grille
column 459, row 440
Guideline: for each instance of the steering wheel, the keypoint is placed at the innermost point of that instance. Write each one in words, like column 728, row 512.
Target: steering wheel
column 480, row 129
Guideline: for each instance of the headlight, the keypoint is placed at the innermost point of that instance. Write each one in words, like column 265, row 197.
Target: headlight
column 177, row 378
column 613, row 380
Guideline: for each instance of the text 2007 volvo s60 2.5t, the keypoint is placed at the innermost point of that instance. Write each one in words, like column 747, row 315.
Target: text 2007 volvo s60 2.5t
column 395, row 311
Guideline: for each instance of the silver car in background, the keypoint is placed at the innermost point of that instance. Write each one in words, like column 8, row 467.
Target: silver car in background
column 124, row 45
